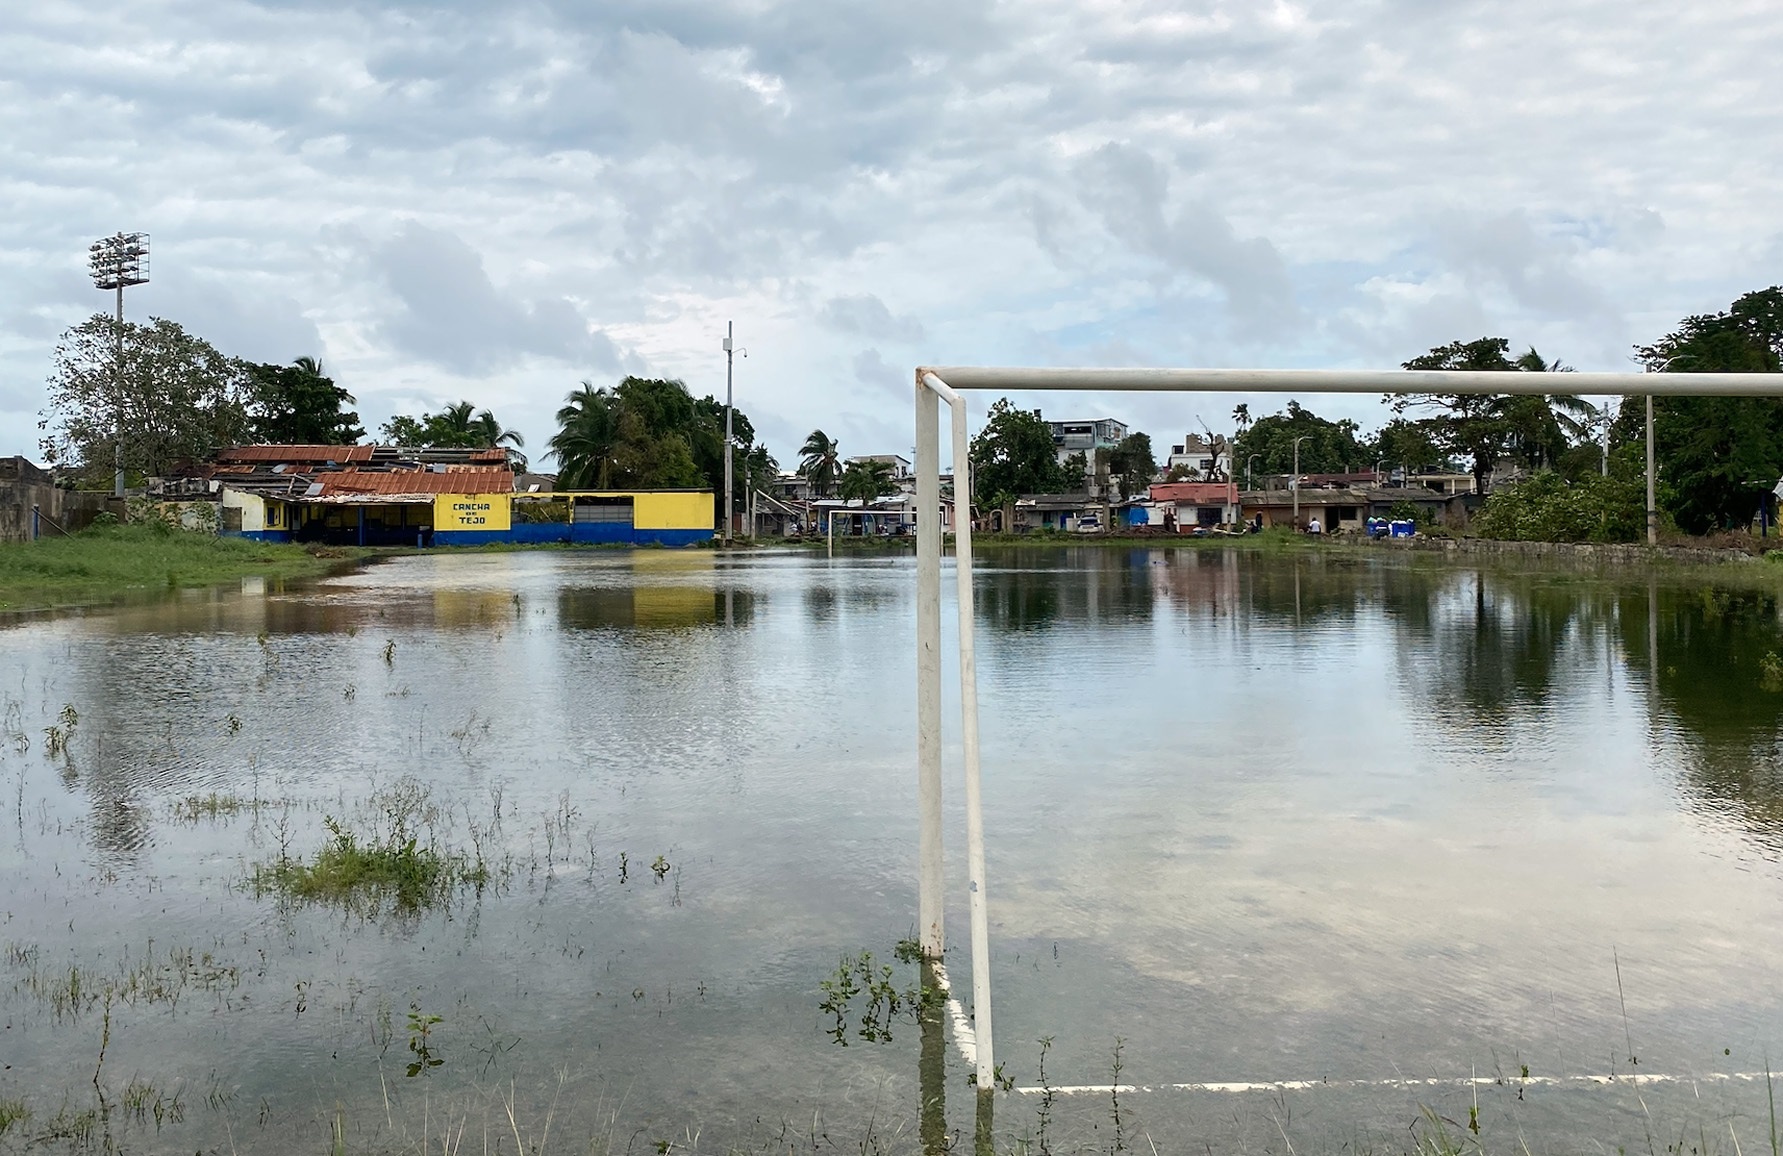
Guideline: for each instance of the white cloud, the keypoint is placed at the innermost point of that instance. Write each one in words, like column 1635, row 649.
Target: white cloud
column 497, row 200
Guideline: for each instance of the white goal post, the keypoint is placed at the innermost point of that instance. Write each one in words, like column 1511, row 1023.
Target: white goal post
column 935, row 384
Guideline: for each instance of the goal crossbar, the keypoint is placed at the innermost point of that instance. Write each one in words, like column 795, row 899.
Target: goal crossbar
column 935, row 384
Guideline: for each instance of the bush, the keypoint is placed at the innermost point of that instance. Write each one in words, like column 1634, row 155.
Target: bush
column 1548, row 508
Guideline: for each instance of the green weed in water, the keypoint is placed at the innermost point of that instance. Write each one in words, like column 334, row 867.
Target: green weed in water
column 192, row 808
column 1770, row 671
column 13, row 1112
column 391, row 861
column 420, row 1041
column 861, row 975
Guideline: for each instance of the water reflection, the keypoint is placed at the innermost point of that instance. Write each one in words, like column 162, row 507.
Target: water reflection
column 1481, row 653
column 653, row 607
column 1267, row 797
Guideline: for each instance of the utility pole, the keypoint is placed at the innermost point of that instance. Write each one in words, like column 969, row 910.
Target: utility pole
column 1296, row 480
column 730, row 356
column 118, row 262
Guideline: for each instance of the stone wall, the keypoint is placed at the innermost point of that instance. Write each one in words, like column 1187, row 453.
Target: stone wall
column 1568, row 553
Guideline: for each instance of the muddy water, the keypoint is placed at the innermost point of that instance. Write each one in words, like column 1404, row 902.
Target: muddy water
column 1255, row 819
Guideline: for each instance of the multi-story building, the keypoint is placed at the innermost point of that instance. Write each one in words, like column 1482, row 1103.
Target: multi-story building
column 1087, row 437
column 1207, row 459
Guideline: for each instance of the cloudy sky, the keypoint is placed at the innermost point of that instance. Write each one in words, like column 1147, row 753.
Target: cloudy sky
column 496, row 201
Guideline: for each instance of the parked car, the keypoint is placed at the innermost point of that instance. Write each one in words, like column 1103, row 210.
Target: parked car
column 1089, row 524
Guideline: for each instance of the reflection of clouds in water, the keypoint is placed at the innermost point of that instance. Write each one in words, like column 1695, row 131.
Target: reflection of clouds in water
column 1312, row 809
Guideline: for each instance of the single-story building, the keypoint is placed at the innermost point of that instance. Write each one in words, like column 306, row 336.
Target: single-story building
column 348, row 517
column 1184, row 505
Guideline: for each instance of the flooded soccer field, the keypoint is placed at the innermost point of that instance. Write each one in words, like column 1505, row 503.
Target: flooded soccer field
column 582, row 851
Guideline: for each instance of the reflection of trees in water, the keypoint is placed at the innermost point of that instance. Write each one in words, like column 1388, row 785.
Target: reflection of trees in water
column 1485, row 650
column 1023, row 589
column 1709, row 673
column 1308, row 591
column 1488, row 647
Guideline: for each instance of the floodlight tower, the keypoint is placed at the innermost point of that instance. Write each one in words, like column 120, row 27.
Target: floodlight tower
column 118, row 262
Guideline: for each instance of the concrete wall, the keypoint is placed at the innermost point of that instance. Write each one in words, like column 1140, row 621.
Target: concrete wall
column 20, row 490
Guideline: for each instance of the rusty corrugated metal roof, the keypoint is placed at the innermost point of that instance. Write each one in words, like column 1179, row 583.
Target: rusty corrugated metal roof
column 296, row 454
column 452, row 480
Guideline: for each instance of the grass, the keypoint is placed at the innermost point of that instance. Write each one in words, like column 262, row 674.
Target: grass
column 215, row 805
column 389, row 861
column 106, row 563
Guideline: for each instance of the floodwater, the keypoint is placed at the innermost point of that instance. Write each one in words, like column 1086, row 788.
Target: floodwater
column 1349, row 820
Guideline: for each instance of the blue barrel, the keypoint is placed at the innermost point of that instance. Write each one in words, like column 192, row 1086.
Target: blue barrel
column 1402, row 528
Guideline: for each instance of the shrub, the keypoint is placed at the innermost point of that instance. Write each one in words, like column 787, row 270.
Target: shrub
column 1548, row 508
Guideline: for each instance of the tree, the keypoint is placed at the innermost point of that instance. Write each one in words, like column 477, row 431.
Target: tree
column 1406, row 443
column 1013, row 454
column 864, row 480
column 1330, row 446
column 650, row 433
column 1488, row 428
column 1716, row 455
column 1241, row 417
column 819, row 461
column 458, row 426
column 180, row 399
column 298, row 404
column 587, row 434
column 1132, row 465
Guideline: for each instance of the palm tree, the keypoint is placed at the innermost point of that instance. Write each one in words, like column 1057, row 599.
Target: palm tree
column 588, row 430
column 453, row 426
column 1542, row 427
column 866, row 480
column 1241, row 416
column 493, row 435
column 819, row 461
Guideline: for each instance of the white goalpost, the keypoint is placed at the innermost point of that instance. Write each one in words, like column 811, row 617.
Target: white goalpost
column 935, row 384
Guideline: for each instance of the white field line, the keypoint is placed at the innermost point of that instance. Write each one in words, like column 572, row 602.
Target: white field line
column 967, row 1041
column 1634, row 1079
column 964, row 1037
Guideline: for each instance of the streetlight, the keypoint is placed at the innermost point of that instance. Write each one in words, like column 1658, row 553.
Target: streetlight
column 118, row 262
column 1296, row 481
column 1247, row 470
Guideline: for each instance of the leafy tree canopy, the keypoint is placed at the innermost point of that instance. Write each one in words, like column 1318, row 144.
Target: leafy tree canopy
column 864, row 480
column 298, row 404
column 458, row 426
column 181, row 398
column 1012, row 455
column 1485, row 429
column 1330, row 447
column 1132, row 465
column 649, row 434
column 1716, row 455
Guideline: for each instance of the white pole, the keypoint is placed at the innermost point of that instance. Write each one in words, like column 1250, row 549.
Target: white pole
column 968, row 377
column 962, row 544
column 930, row 873
column 1652, row 509
column 981, row 930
